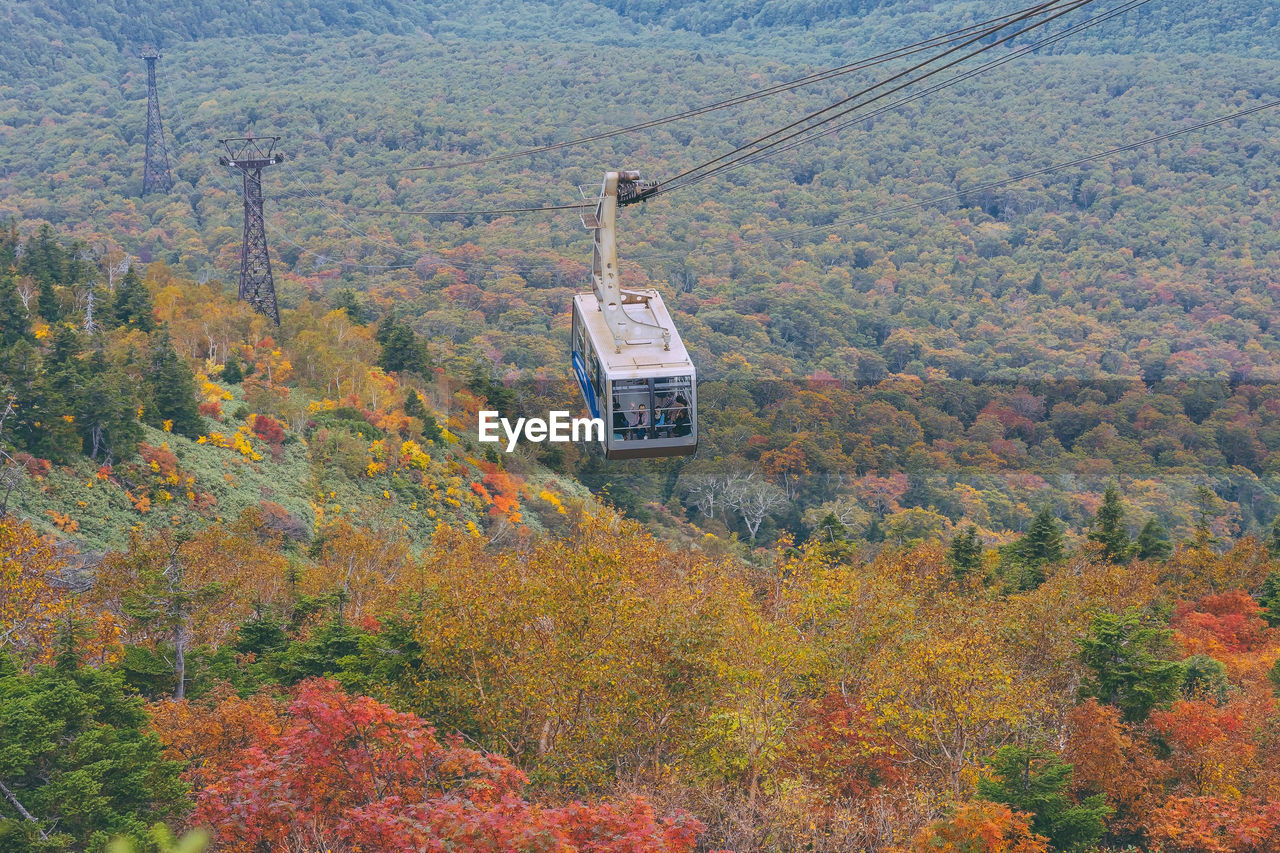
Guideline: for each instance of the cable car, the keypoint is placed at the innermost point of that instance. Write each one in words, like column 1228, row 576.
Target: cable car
column 631, row 365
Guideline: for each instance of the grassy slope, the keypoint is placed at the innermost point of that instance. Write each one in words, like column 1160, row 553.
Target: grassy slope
column 313, row 491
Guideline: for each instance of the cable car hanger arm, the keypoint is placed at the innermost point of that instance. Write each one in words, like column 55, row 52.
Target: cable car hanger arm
column 604, row 264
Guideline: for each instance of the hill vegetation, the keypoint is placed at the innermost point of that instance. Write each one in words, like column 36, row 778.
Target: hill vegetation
column 980, row 550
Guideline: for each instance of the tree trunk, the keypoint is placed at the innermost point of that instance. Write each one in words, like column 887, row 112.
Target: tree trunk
column 180, row 661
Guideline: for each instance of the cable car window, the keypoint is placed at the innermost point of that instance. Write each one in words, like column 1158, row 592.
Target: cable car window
column 593, row 373
column 632, row 409
column 672, row 416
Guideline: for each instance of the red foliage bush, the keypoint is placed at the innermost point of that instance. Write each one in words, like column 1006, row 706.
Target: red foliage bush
column 349, row 773
column 161, row 460
column 1216, row 825
column 268, row 429
column 211, row 409
column 1229, row 620
column 36, row 468
column 837, row 747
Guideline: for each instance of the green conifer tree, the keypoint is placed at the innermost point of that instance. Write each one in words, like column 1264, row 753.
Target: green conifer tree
column 107, row 413
column 1109, row 530
column 81, row 759
column 402, row 351
column 1130, row 665
column 1038, row 547
column 1206, row 510
column 15, row 325
column 171, row 390
column 132, row 306
column 232, row 373
column 1269, row 597
column 965, row 552
column 39, row 425
column 1035, row 781
column 1273, row 541
column 413, row 405
column 347, row 298
column 47, row 302
column 1153, row 541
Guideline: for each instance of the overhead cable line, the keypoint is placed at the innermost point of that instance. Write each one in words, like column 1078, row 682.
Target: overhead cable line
column 1057, row 167
column 509, row 211
column 808, row 123
column 960, row 194
column 779, row 88
column 937, row 87
column 1052, row 8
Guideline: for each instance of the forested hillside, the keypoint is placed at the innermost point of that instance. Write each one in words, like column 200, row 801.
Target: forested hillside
column 980, row 549
column 1155, row 267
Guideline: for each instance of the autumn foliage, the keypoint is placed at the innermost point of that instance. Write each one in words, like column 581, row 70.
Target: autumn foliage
column 345, row 773
column 981, row 827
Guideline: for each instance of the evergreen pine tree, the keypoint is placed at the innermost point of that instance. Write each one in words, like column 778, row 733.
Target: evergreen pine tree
column 47, row 302
column 431, row 430
column 132, row 306
column 347, row 298
column 1130, row 665
column 44, row 258
column 401, row 350
column 9, row 242
column 1153, row 541
column 20, row 374
column 38, row 425
column 1035, row 781
column 65, row 367
column 1042, row 542
column 171, row 389
column 107, row 413
column 80, row 756
column 1273, row 541
column 1108, row 528
column 965, row 552
column 413, row 405
column 15, row 325
column 232, row 374
column 1269, row 597
column 1206, row 511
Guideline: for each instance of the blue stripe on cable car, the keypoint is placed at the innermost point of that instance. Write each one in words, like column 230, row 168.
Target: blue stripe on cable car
column 588, row 393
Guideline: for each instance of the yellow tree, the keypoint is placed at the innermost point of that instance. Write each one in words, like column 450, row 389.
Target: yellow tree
column 947, row 695
column 366, row 568
column 583, row 658
column 31, row 601
column 172, row 591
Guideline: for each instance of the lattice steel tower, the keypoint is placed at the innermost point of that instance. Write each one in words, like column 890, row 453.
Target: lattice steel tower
column 156, row 177
column 251, row 156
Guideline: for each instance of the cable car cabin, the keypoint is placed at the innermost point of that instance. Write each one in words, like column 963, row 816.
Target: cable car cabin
column 646, row 395
column 633, row 369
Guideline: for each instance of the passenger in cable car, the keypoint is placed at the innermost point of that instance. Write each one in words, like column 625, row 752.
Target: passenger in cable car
column 680, row 422
column 641, row 423
column 619, row 420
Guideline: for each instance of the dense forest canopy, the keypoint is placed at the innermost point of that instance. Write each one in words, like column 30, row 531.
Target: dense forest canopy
column 1155, row 266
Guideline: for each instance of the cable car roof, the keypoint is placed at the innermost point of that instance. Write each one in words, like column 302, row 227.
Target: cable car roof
column 646, row 358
